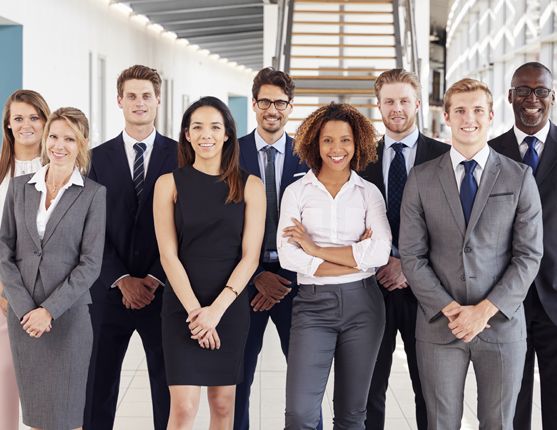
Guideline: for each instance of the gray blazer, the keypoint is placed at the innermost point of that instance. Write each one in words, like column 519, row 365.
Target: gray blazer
column 69, row 257
column 496, row 257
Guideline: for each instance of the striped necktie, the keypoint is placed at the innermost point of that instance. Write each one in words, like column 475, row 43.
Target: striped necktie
column 138, row 169
column 271, row 220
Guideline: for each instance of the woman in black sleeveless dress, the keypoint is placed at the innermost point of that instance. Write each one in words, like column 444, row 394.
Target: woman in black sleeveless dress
column 209, row 221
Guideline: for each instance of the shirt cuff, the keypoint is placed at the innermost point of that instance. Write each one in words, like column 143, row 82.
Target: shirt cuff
column 118, row 280
column 156, row 279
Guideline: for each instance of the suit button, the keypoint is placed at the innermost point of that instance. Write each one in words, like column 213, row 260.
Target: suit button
column 38, row 253
column 467, row 249
column 462, row 278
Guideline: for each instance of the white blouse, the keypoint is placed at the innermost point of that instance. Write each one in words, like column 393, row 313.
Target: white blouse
column 39, row 179
column 331, row 222
column 22, row 167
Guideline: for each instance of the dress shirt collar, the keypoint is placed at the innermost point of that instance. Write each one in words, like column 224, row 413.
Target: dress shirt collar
column 540, row 135
column 149, row 141
column 409, row 140
column 354, row 181
column 480, row 157
column 279, row 145
column 39, row 179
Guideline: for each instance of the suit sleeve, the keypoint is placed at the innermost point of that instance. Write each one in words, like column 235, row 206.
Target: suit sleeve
column 82, row 277
column 18, row 296
column 112, row 268
column 527, row 250
column 413, row 247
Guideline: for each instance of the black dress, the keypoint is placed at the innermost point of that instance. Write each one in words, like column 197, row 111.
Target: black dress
column 209, row 246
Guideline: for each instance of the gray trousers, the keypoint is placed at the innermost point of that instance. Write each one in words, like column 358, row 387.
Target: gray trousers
column 344, row 322
column 498, row 368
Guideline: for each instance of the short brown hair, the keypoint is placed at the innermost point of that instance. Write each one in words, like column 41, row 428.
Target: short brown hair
column 306, row 143
column 140, row 72
column 79, row 124
column 270, row 76
column 394, row 76
column 467, row 85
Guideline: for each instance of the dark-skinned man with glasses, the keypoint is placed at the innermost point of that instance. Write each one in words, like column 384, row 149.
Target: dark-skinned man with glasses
column 267, row 153
column 533, row 141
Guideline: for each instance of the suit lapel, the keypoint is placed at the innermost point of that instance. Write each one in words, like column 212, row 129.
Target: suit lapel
column 421, row 151
column 289, row 167
column 549, row 155
column 489, row 177
column 375, row 170
column 66, row 201
column 32, row 200
column 249, row 154
column 121, row 164
column 450, row 189
column 510, row 147
column 159, row 155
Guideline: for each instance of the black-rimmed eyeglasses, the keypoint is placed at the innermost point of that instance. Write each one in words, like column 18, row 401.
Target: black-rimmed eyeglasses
column 540, row 92
column 266, row 104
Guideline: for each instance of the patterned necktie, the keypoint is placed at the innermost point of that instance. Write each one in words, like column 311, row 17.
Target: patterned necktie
column 468, row 188
column 138, row 169
column 531, row 157
column 271, row 220
column 397, row 180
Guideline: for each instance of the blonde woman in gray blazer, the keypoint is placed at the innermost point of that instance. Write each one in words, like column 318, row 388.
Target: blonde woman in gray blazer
column 51, row 246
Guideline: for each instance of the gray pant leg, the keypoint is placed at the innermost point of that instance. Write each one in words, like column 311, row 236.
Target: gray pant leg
column 498, row 369
column 313, row 338
column 363, row 316
column 443, row 374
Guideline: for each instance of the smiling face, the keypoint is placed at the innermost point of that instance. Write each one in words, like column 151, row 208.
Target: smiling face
column 62, row 145
column 271, row 120
column 336, row 147
column 469, row 117
column 206, row 132
column 531, row 113
column 26, row 124
column 398, row 105
column 139, row 103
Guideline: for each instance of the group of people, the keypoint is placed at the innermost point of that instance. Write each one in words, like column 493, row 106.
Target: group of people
column 340, row 237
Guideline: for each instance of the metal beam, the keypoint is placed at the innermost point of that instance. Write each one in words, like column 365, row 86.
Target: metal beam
column 204, row 9
column 229, row 18
column 225, row 43
column 238, row 36
column 211, row 31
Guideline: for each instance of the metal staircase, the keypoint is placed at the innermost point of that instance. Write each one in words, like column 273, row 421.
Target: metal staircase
column 335, row 49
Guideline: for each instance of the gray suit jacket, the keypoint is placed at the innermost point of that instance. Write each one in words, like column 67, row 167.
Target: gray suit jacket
column 496, row 256
column 69, row 257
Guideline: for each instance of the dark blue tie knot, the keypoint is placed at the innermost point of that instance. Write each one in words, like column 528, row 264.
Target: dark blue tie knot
column 531, row 141
column 398, row 147
column 139, row 148
column 531, row 157
column 271, row 153
column 469, row 166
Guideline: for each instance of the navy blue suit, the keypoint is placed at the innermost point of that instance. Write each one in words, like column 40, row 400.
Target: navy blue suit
column 130, row 248
column 281, row 312
column 401, row 307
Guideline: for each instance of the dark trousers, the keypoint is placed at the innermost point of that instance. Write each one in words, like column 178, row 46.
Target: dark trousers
column 542, row 342
column 113, row 326
column 280, row 314
column 400, row 307
column 344, row 322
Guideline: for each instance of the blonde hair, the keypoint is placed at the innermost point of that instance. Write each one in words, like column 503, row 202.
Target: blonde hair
column 394, row 76
column 467, row 85
column 79, row 124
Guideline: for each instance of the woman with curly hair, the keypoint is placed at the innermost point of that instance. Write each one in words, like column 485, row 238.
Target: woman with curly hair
column 333, row 231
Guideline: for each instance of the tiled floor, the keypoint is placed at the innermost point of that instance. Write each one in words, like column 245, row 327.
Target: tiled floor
column 267, row 400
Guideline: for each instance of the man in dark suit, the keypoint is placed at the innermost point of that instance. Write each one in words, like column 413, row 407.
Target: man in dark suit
column 402, row 147
column 267, row 153
column 533, row 141
column 128, row 295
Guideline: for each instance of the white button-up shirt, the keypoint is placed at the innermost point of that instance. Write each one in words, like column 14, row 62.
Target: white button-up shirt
column 481, row 158
column 39, row 179
column 129, row 142
column 538, row 146
column 331, row 222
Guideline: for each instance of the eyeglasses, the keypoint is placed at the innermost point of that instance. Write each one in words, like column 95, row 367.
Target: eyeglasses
column 540, row 92
column 266, row 104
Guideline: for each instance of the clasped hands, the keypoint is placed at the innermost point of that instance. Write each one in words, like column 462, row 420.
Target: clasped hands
column 137, row 292
column 37, row 322
column 466, row 322
column 202, row 325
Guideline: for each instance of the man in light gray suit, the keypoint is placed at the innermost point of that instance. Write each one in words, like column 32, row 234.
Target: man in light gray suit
column 471, row 245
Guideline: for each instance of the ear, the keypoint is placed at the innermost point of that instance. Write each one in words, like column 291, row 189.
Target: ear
column 510, row 97
column 187, row 134
column 119, row 101
column 158, row 100
column 491, row 115
column 9, row 126
column 447, row 118
column 253, row 105
column 552, row 97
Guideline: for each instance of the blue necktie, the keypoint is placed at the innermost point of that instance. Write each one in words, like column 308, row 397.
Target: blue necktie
column 468, row 188
column 397, row 180
column 531, row 157
column 138, row 169
column 271, row 220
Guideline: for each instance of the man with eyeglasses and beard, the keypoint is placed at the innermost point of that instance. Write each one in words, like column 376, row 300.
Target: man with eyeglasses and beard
column 533, row 141
column 267, row 153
